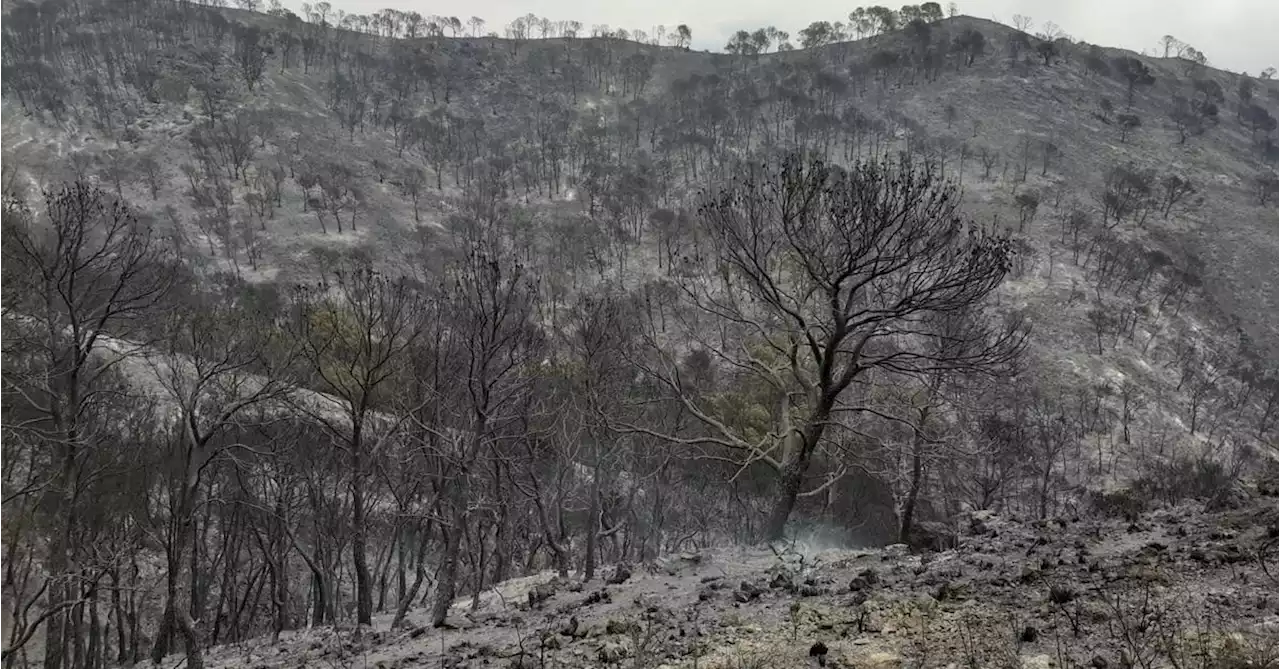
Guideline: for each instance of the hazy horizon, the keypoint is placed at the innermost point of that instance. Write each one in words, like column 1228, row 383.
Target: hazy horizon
column 1235, row 36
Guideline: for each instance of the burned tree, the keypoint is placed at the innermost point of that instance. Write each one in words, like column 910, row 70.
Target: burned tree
column 1173, row 189
column 971, row 44
column 82, row 276
column 1135, row 73
column 1191, row 117
column 1127, row 191
column 821, row 274
column 1128, row 124
column 490, row 305
column 250, row 54
column 215, row 363
column 352, row 340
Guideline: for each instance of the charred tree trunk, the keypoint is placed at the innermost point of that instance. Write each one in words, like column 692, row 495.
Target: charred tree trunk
column 319, row 598
column 907, row 521
column 593, row 528
column 913, row 493
column 118, row 611
column 419, row 575
column 60, row 552
column 447, row 584
column 175, row 617
column 796, row 467
column 793, row 474
column 364, row 597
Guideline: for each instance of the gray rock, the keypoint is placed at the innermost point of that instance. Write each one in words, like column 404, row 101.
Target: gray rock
column 619, row 575
column 747, row 592
column 542, row 592
column 865, row 579
column 611, row 651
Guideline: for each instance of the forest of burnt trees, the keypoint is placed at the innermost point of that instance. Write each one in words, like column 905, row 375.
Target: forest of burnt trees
column 191, row 458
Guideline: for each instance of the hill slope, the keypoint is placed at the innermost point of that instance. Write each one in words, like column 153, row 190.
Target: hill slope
column 575, row 136
column 1138, row 193
column 1013, row 594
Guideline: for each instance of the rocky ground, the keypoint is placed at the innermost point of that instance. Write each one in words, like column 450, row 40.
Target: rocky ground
column 1177, row 587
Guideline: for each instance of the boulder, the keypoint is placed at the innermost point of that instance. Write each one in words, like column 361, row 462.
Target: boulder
column 619, row 575
column 864, row 580
column 614, row 626
column 1037, row 662
column 747, row 591
column 894, row 551
column 610, row 652
column 982, row 522
column 871, row 657
column 782, row 581
column 932, row 537
column 542, row 592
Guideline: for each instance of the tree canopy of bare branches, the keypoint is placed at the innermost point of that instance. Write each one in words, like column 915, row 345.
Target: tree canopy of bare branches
column 818, row 274
column 79, row 277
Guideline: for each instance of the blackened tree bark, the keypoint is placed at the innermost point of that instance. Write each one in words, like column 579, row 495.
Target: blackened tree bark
column 489, row 303
column 352, row 344
column 217, row 363
column 91, row 274
column 817, row 275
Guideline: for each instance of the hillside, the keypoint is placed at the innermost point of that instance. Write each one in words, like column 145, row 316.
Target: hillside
column 606, row 131
column 500, row 259
column 1179, row 586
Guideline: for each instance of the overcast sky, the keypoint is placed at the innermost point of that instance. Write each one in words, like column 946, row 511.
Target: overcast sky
column 1237, row 35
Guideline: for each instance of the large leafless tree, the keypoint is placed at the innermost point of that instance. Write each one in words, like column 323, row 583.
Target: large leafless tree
column 490, row 302
column 353, row 337
column 215, row 362
column 82, row 276
column 817, row 274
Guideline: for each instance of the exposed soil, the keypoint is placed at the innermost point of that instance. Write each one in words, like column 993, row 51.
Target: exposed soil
column 1182, row 586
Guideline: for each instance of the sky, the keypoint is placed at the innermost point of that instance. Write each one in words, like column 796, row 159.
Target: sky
column 1236, row 35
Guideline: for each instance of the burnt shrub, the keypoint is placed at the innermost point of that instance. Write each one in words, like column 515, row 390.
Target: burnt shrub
column 1183, row 479
column 1123, row 503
